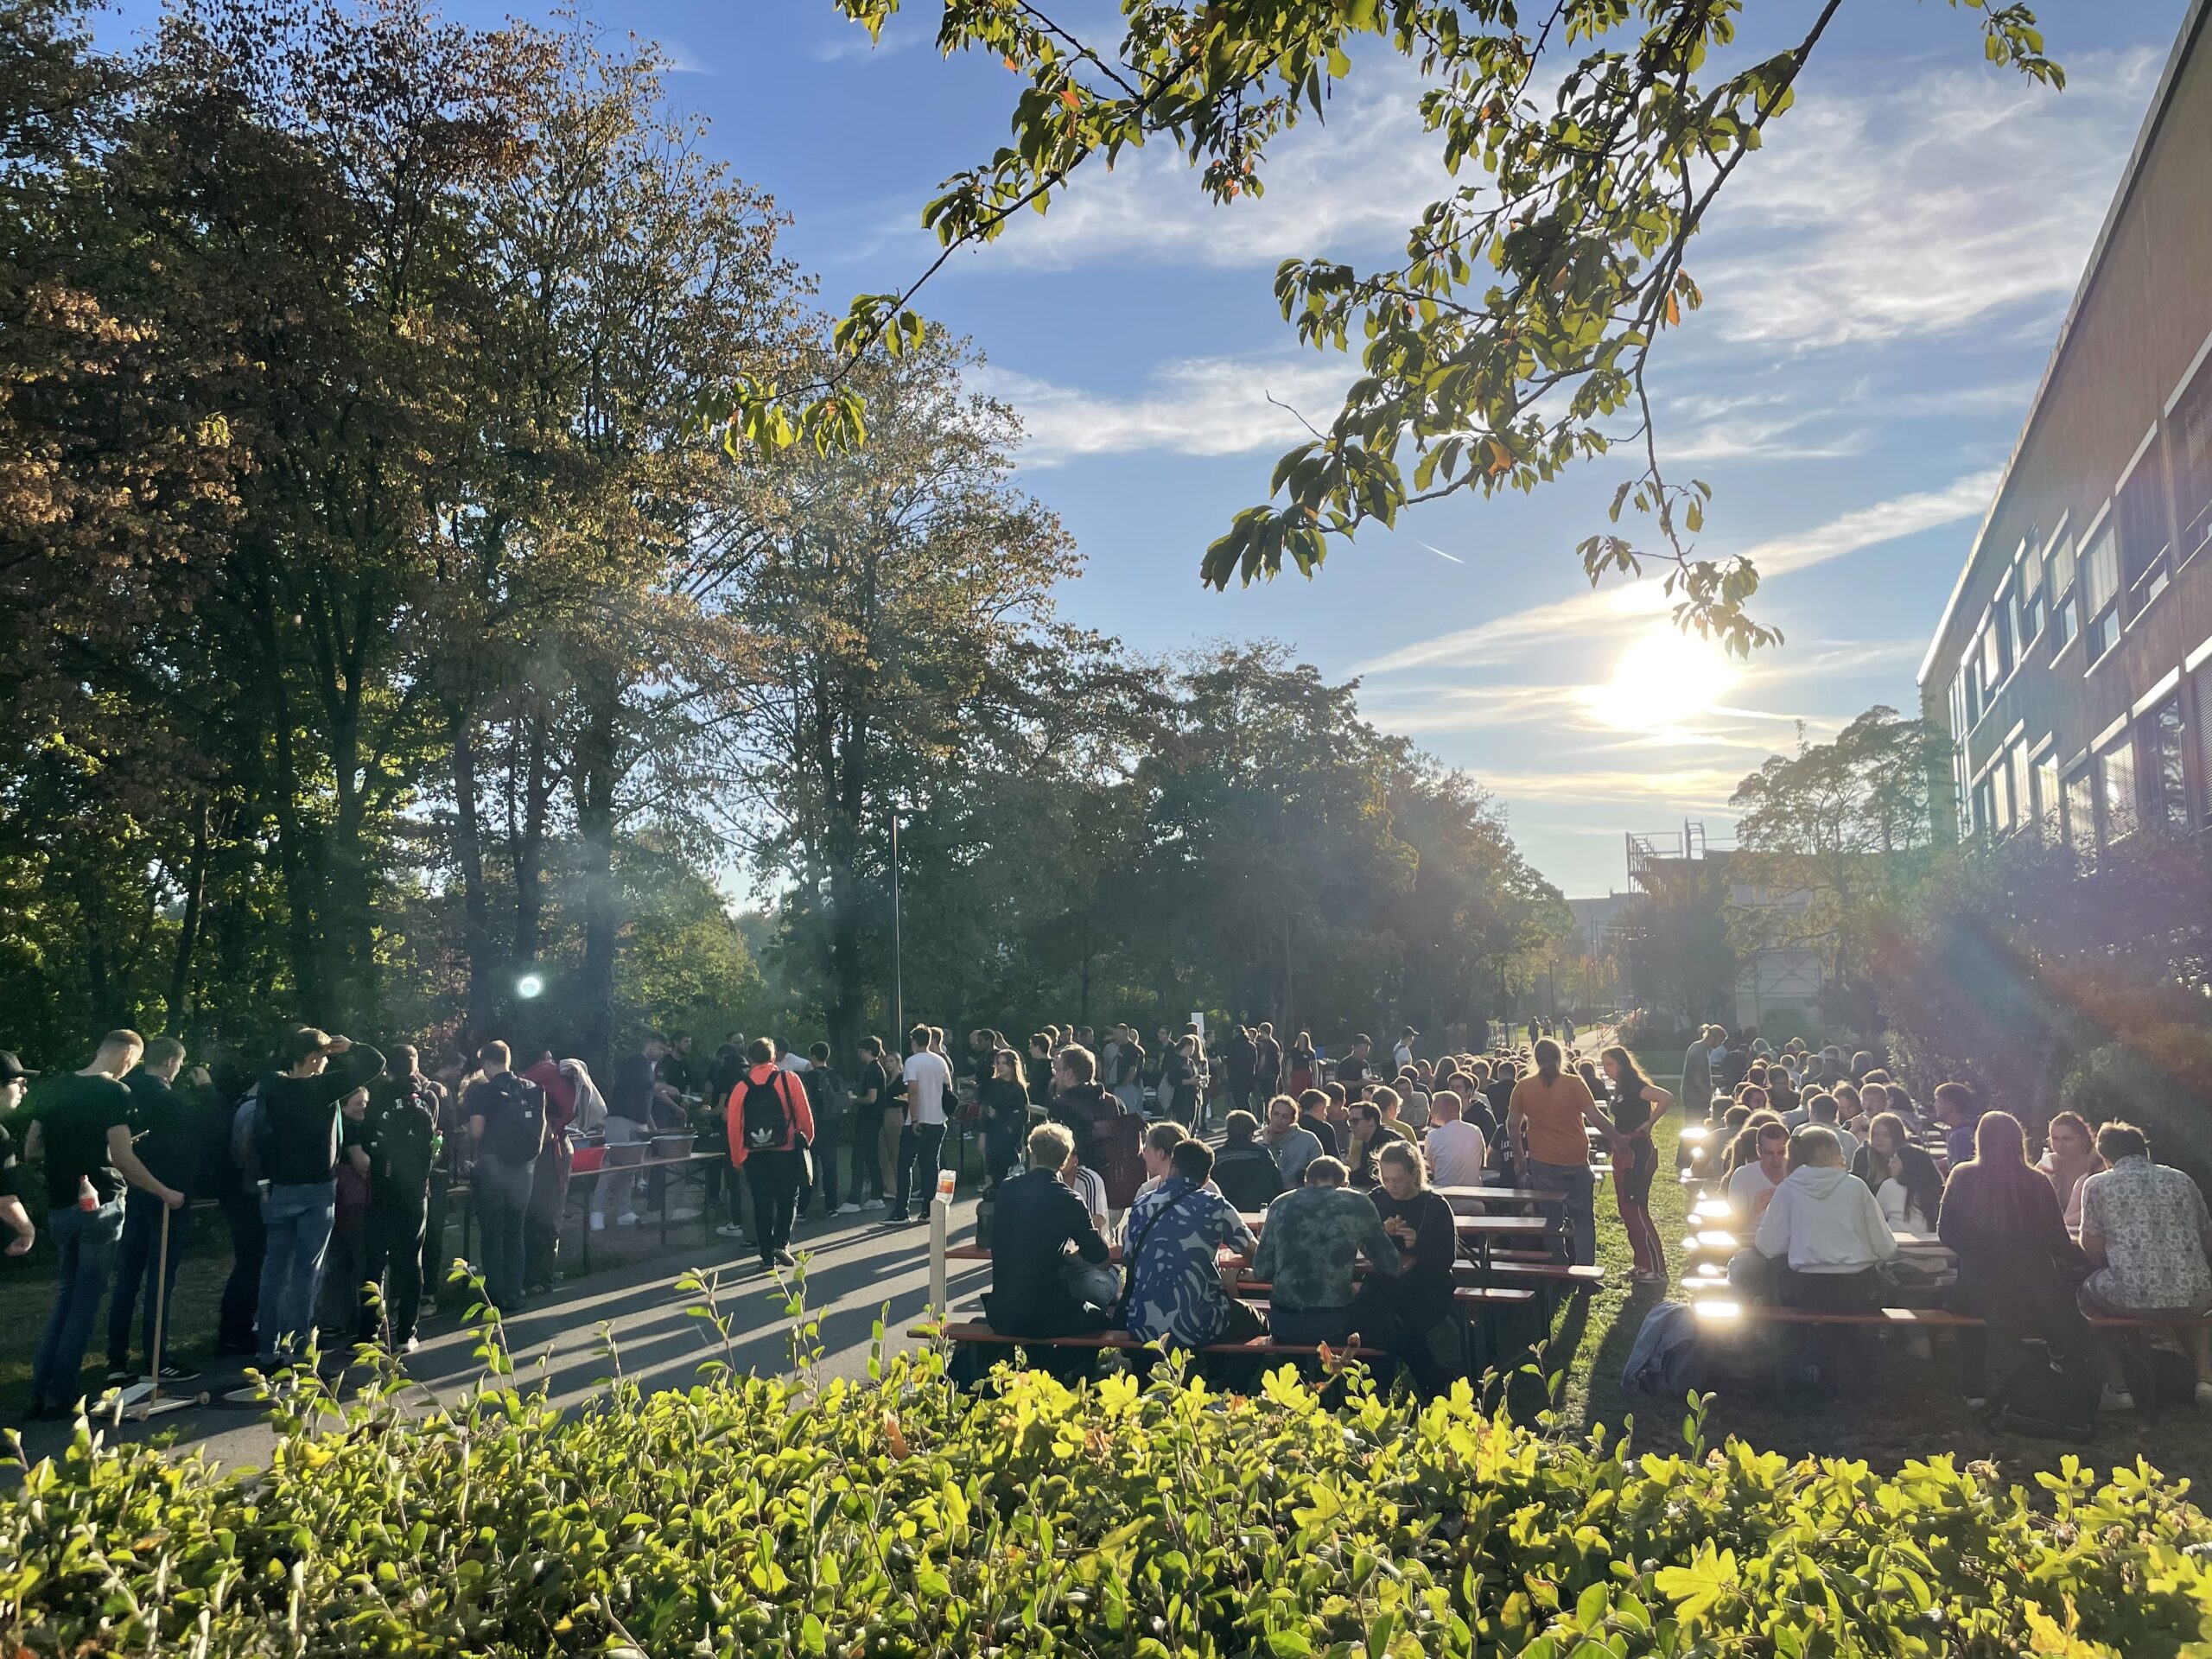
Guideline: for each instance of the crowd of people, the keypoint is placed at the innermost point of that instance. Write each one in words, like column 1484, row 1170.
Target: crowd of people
column 1853, row 1198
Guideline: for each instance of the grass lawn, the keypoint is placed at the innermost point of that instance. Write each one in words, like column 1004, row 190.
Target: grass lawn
column 1906, row 1409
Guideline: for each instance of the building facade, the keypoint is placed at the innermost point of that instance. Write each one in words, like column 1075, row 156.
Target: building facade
column 2073, row 664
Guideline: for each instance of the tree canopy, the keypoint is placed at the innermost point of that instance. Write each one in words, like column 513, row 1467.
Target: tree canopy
column 1587, row 141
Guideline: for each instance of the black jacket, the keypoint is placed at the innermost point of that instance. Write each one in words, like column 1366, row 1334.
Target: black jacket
column 1246, row 1176
column 1037, row 1218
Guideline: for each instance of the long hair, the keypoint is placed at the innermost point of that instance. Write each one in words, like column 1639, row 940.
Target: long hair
column 1548, row 1060
column 1633, row 1077
column 1923, row 1181
column 2003, row 1193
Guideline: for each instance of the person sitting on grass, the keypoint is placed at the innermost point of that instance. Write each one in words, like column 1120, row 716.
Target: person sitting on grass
column 2148, row 1239
column 1308, row 1244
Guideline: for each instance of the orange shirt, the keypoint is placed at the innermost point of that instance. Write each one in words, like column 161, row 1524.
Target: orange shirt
column 1555, row 1115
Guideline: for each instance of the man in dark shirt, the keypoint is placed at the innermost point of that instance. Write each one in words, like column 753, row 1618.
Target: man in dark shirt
column 1313, row 1115
column 1267, row 1065
column 638, row 1090
column 80, row 1125
column 1038, row 1218
column 1357, row 1068
column 506, row 1117
column 1243, row 1068
column 298, row 1140
column 875, row 1127
column 165, row 1137
column 402, row 1136
column 13, row 1080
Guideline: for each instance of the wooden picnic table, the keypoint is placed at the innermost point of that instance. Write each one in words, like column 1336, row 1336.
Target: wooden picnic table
column 1455, row 1195
column 1481, row 1232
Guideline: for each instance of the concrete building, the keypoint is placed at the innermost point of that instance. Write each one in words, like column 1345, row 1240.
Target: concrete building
column 2073, row 664
column 1775, row 986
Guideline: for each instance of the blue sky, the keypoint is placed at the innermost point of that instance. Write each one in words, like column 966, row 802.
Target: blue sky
column 1882, row 292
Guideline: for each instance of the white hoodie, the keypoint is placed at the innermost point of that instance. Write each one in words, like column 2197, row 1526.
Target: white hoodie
column 1826, row 1220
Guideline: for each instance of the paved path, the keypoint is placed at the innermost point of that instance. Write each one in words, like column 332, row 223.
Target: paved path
column 857, row 1269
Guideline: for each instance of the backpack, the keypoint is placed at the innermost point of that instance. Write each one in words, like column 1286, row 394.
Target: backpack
column 830, row 1097
column 406, row 1137
column 2052, row 1395
column 1668, row 1358
column 518, row 1130
column 765, row 1119
column 249, row 1133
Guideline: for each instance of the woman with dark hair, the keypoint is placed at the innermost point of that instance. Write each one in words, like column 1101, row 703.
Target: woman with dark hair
column 1638, row 1102
column 2018, row 1266
column 1301, row 1064
column 1004, row 1098
column 1903, row 1178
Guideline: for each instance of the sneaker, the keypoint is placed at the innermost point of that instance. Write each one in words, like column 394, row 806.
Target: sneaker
column 598, row 1222
column 178, row 1374
column 896, row 1218
column 785, row 1259
column 730, row 1230
column 413, row 1345
column 627, row 1218
column 120, row 1376
column 2116, row 1400
column 875, row 1203
column 847, row 1210
column 675, row 1215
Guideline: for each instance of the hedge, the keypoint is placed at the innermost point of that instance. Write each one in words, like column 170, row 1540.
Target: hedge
column 898, row 1516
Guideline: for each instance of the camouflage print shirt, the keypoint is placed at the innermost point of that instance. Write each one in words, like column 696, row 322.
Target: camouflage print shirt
column 1308, row 1243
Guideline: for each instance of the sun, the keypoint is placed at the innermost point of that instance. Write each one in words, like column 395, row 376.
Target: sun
column 1663, row 679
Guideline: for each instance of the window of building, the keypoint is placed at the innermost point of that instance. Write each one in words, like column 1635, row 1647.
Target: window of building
column 2163, row 744
column 2028, row 598
column 2141, row 514
column 2024, row 812
column 2203, row 684
column 1996, row 655
column 2082, row 815
column 1985, row 807
column 2100, row 593
column 2116, row 789
column 2192, row 440
column 2048, row 817
column 2059, row 560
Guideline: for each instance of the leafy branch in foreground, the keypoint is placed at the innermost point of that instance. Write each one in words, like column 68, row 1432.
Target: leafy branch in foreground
column 1515, row 336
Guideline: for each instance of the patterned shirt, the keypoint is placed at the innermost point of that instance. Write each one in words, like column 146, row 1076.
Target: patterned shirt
column 1308, row 1241
column 1179, row 1230
column 2152, row 1220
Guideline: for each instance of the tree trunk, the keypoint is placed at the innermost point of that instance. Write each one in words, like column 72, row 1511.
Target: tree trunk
column 593, row 1005
column 468, row 853
column 188, row 936
column 530, row 845
column 846, row 763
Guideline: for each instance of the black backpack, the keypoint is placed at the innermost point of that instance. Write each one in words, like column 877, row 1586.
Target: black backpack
column 2052, row 1395
column 518, row 1130
column 765, row 1119
column 406, row 1137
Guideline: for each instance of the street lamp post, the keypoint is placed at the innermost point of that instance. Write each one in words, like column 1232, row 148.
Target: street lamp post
column 898, row 965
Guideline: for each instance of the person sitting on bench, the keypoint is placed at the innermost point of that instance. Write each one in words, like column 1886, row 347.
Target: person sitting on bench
column 1314, row 1235
column 1244, row 1171
column 1174, row 1238
column 1752, row 1182
column 2148, row 1235
column 1825, row 1228
column 1049, row 1276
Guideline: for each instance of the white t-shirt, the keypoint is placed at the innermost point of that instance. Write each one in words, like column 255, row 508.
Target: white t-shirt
column 928, row 1079
column 793, row 1061
column 1456, row 1153
column 1746, row 1187
column 1402, row 1056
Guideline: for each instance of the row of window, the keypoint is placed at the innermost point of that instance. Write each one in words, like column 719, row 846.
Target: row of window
column 2159, row 518
column 2138, row 777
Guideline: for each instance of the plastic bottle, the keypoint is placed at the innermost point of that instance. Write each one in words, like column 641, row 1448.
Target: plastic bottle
column 945, row 1178
column 87, row 1199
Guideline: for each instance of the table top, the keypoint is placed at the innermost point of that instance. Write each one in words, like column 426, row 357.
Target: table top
column 1469, row 1226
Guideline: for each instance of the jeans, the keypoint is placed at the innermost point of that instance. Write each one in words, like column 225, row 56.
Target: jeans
column 298, row 1220
column 617, row 1190
column 399, row 1217
column 919, row 1146
column 84, row 1245
column 138, row 1267
column 1307, row 1327
column 774, row 1177
column 548, row 1200
column 242, row 1290
column 1580, row 1185
column 503, row 1211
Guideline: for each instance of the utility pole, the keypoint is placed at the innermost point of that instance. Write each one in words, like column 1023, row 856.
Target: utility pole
column 897, row 947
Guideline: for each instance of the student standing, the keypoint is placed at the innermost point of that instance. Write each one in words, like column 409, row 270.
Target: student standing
column 80, row 1125
column 507, row 1128
column 769, row 1125
column 929, row 1080
column 164, row 1135
column 401, row 1137
column 1544, row 1125
column 875, row 1127
column 1638, row 1103
column 13, row 1216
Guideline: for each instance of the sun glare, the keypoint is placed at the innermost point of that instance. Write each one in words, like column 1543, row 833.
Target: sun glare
column 1663, row 679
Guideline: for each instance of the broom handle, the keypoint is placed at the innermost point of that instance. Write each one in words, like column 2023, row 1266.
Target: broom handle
column 161, row 1308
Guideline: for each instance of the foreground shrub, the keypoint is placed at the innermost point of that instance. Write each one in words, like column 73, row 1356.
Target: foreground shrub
column 897, row 1518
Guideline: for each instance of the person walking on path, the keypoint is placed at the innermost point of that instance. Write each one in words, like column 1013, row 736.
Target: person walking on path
column 770, row 1127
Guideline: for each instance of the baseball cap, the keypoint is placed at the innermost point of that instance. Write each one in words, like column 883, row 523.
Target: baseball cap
column 11, row 1068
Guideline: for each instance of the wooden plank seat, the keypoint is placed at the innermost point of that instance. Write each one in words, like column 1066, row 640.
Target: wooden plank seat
column 984, row 1336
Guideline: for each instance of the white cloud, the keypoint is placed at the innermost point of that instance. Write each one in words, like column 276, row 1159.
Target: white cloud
column 1884, row 521
column 1923, row 209
column 1197, row 406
